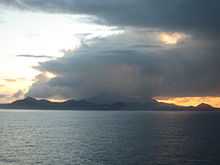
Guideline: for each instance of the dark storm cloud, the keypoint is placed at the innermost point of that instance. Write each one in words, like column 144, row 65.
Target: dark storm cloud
column 121, row 72
column 175, row 15
column 138, row 67
column 147, row 46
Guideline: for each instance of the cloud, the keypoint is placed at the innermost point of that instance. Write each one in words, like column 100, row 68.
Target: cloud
column 135, row 63
column 182, row 15
column 34, row 56
column 10, row 80
column 115, row 68
column 18, row 94
column 4, row 98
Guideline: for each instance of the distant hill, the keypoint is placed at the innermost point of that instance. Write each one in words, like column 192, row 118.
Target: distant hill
column 204, row 107
column 148, row 105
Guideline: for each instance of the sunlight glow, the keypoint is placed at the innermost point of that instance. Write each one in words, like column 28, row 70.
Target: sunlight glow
column 172, row 38
column 190, row 101
column 40, row 34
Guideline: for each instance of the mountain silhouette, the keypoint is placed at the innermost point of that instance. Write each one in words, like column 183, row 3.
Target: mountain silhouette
column 148, row 105
column 204, row 107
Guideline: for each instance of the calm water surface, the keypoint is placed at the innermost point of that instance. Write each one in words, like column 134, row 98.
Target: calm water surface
column 109, row 138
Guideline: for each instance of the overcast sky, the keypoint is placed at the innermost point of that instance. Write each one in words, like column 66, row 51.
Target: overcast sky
column 130, row 49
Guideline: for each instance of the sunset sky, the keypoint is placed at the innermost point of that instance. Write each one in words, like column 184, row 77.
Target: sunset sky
column 133, row 49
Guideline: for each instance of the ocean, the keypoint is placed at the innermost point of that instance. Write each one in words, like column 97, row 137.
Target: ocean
column 29, row 137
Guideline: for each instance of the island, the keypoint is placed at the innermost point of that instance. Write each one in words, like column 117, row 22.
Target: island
column 148, row 105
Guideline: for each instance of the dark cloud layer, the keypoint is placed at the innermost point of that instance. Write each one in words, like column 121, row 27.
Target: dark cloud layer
column 174, row 15
column 133, row 73
column 135, row 68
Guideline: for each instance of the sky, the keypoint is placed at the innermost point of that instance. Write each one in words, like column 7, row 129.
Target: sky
column 128, row 49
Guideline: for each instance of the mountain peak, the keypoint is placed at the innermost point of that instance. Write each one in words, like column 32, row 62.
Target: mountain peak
column 29, row 98
column 204, row 106
column 25, row 100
